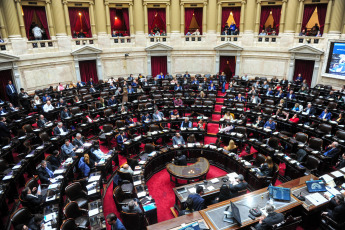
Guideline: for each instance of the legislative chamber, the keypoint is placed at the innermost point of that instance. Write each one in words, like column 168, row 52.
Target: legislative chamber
column 172, row 114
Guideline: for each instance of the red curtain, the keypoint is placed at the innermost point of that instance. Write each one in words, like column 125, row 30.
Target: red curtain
column 156, row 16
column 308, row 12
column 158, row 64
column 80, row 22
column 126, row 19
column 227, row 65
column 236, row 13
column 88, row 70
column 276, row 12
column 6, row 75
column 29, row 12
column 305, row 68
column 265, row 13
column 321, row 13
column 188, row 15
column 198, row 18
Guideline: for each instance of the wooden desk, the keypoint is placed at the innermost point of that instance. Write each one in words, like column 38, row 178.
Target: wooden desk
column 176, row 222
column 198, row 170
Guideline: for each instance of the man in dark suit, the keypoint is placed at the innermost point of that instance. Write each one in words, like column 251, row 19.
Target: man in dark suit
column 32, row 199
column 55, row 160
column 186, row 123
column 180, row 159
column 81, row 84
column 198, row 201
column 269, row 92
column 309, row 110
column 65, row 113
column 24, row 99
column 60, row 130
column 332, row 150
column 341, row 164
column 290, row 95
column 266, row 223
column 112, row 101
column 241, row 185
column 12, row 93
column 92, row 89
column 5, row 132
column 132, row 207
column 42, row 121
column 114, row 223
column 121, row 139
column 336, row 209
column 222, row 81
column 90, row 82
column 259, row 122
column 78, row 141
column 45, row 172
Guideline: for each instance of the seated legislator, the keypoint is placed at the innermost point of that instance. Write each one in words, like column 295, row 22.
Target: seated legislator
column 48, row 107
column 132, row 207
column 78, row 141
column 67, row 150
column 178, row 139
column 36, row 222
column 46, row 98
column 325, row 115
column 340, row 120
column 3, row 111
column 341, row 163
column 45, row 173
column 60, row 130
column 255, row 100
column 266, row 169
column 197, row 200
column 280, row 94
column 336, row 209
column 92, row 89
column 186, row 123
column 299, row 79
column 309, row 110
column 259, row 122
column 201, row 124
column 228, row 116
column 130, row 90
column 80, row 84
column 191, row 139
column 178, row 87
column 178, row 102
column 231, row 146
column 32, row 199
column 270, row 124
column 180, row 159
column 290, row 95
column 126, row 169
column 294, row 119
column 269, row 92
column 61, row 103
column 212, row 87
column 97, row 154
column 65, row 113
column 114, row 222
column 158, row 116
column 240, row 98
column 266, row 223
column 42, row 122
column 224, row 193
column 55, row 160
column 121, row 139
column 238, row 186
column 86, row 164
column 297, row 108
column 332, row 150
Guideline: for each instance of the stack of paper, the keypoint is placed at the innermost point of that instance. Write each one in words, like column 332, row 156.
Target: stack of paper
column 337, row 174
column 327, row 178
column 215, row 180
column 93, row 212
column 316, row 199
column 94, row 178
column 192, row 190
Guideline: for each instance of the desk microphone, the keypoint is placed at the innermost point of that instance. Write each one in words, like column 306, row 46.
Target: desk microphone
column 300, row 197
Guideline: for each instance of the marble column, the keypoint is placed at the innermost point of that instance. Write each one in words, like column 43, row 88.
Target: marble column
column 258, row 16
column 212, row 15
column 204, row 18
column 50, row 18
column 300, row 16
column 3, row 29
column 167, row 15
column 182, row 17
column 243, row 5
column 146, row 23
column 328, row 16
column 10, row 15
column 290, row 19
column 249, row 19
column 282, row 17
column 175, row 19
column 219, row 18
column 337, row 17
column 107, row 17
column 59, row 19
column 131, row 18
column 100, row 17
column 139, row 16
column 20, row 18
column 92, row 19
column 68, row 23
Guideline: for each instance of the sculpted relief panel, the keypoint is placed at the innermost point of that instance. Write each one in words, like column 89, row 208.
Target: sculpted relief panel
column 193, row 64
column 259, row 66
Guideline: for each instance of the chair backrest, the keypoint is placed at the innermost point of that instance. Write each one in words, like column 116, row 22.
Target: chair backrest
column 107, row 128
column 83, row 91
column 260, row 159
column 44, row 137
column 133, row 221
column 315, row 143
column 318, row 101
column 28, row 128
column 273, row 142
column 21, row 216
column 73, row 190
column 328, row 87
column 340, row 134
column 325, row 128
column 125, row 175
column 269, row 102
column 154, row 127
column 312, row 162
column 87, row 97
column 268, row 111
column 68, row 224
column 75, row 110
column 241, row 129
column 301, row 137
column 32, row 183
column 71, row 210
column 104, row 94
column 143, row 97
column 208, row 103
column 108, row 112
column 288, row 224
column 149, row 148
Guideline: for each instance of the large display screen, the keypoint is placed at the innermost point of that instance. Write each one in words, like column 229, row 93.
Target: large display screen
column 336, row 59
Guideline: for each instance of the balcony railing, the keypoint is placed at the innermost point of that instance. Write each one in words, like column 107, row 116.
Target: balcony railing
column 84, row 41
column 157, row 39
column 267, row 39
column 41, row 44
column 194, row 38
column 228, row 38
column 5, row 46
column 308, row 40
column 122, row 40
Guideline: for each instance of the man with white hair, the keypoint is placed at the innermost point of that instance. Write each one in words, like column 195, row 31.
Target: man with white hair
column 271, row 219
column 60, row 130
column 186, row 123
column 332, row 150
column 78, row 140
column 48, row 107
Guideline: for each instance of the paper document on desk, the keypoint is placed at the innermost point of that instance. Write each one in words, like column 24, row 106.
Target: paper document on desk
column 337, row 174
column 17, row 166
column 51, row 198
column 79, row 151
column 232, row 175
column 342, row 169
column 94, row 178
column 89, row 186
column 333, row 191
column 136, row 172
column 190, row 145
column 49, row 217
column 52, row 186
column 138, row 182
column 210, row 188
column 316, row 199
column 93, row 191
column 141, row 194
column 215, row 180
column 192, row 190
column 327, row 178
column 93, row 212
column 87, row 144
column 59, row 171
column 7, row 177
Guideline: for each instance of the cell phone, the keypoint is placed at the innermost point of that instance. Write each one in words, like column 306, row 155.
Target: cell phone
column 251, row 216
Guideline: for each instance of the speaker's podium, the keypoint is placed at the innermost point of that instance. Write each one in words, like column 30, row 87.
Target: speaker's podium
column 150, row 211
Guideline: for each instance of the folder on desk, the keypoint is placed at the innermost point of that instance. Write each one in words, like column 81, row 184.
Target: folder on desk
column 316, row 199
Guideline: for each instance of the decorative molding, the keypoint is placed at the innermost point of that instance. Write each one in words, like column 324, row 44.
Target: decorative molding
column 228, row 46
column 85, row 50
column 8, row 58
column 306, row 49
column 158, row 47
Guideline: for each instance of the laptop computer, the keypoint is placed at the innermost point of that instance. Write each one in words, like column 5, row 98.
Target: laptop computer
column 316, row 186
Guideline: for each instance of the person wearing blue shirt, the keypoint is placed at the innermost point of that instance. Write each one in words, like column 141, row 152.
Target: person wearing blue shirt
column 46, row 98
column 130, row 78
column 325, row 115
column 269, row 92
column 290, row 95
column 134, row 83
column 3, row 111
column 146, row 118
column 186, row 123
column 115, row 224
column 299, row 79
column 270, row 124
column 222, row 80
column 239, row 98
column 130, row 90
column 112, row 101
column 212, row 87
column 158, row 116
column 332, row 150
column 296, row 108
column 67, row 150
column 168, row 76
column 195, row 82
column 85, row 165
column 186, row 75
column 232, row 28
column 198, row 201
column 280, row 94
column 178, row 87
column 121, row 139
column 12, row 93
column 160, row 76
column 265, row 85
column 81, row 84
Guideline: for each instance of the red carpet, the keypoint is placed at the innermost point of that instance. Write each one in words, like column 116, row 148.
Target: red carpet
column 216, row 117
column 212, row 128
column 218, row 108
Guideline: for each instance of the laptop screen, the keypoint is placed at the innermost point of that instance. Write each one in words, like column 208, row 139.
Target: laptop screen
column 316, row 186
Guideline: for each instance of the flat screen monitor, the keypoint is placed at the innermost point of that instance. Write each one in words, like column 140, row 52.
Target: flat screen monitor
column 279, row 193
column 316, row 186
column 336, row 59
column 236, row 213
column 193, row 226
